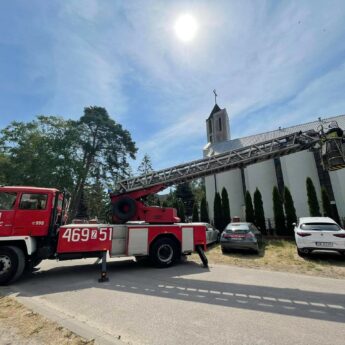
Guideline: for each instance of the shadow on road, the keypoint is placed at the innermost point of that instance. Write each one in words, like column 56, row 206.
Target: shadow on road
column 174, row 283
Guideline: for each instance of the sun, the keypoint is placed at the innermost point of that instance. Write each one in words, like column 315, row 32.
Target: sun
column 186, row 27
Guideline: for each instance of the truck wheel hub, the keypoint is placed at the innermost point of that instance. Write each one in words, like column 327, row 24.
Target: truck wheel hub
column 165, row 253
column 5, row 264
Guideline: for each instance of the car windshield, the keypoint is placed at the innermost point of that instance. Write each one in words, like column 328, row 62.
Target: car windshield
column 237, row 231
column 320, row 226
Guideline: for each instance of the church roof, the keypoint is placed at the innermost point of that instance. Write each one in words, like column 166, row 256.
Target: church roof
column 215, row 110
column 238, row 143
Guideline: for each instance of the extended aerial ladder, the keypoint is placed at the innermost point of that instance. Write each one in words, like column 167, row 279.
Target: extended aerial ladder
column 127, row 197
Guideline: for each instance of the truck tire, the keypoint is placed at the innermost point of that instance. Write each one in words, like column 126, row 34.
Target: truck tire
column 12, row 264
column 164, row 252
column 124, row 209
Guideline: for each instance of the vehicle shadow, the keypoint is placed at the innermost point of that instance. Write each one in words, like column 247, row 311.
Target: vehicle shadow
column 178, row 283
column 326, row 258
column 247, row 254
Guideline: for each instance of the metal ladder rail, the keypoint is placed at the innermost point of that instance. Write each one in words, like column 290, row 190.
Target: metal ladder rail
column 277, row 147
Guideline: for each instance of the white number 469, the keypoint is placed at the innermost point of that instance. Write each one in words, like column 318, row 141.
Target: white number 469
column 85, row 234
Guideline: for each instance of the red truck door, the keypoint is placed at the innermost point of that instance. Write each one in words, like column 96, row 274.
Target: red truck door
column 33, row 214
column 7, row 212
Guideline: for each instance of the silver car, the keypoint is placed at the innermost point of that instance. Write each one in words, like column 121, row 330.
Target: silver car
column 244, row 236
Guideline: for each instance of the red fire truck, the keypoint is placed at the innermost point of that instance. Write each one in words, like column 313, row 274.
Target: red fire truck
column 32, row 220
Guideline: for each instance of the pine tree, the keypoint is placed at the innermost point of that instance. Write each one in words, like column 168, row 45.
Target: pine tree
column 225, row 208
column 249, row 208
column 217, row 212
column 259, row 213
column 314, row 208
column 195, row 212
column 290, row 211
column 203, row 211
column 278, row 210
column 326, row 204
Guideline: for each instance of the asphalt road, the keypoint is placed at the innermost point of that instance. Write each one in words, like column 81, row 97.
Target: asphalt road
column 187, row 304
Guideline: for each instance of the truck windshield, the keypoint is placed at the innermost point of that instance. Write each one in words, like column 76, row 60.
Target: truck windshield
column 7, row 200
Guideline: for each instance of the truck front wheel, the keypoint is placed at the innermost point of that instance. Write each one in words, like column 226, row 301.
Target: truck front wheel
column 164, row 252
column 12, row 264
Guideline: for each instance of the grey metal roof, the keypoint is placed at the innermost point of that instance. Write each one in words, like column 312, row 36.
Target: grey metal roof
column 229, row 145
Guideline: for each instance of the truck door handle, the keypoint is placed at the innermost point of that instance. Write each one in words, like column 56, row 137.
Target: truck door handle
column 8, row 225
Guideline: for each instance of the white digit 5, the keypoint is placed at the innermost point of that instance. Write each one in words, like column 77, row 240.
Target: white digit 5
column 103, row 234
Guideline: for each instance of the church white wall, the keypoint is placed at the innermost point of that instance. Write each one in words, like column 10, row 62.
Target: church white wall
column 263, row 176
column 232, row 181
column 296, row 168
column 338, row 184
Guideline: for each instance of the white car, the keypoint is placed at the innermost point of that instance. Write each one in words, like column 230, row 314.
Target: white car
column 319, row 233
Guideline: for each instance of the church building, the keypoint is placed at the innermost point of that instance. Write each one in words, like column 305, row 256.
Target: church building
column 291, row 170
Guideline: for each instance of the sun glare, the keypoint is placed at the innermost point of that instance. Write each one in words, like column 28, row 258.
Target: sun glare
column 186, row 27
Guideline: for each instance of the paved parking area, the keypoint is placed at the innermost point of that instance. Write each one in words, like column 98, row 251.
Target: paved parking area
column 188, row 304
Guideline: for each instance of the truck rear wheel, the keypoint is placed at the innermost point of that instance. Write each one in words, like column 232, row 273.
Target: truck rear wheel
column 12, row 264
column 164, row 252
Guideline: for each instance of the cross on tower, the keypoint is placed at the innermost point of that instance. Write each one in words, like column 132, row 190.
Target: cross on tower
column 215, row 96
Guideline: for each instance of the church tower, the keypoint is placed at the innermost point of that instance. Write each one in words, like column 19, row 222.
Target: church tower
column 217, row 125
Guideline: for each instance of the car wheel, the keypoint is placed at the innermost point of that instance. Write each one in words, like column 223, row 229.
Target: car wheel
column 303, row 252
column 224, row 251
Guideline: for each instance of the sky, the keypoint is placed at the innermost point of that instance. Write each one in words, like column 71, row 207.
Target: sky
column 273, row 64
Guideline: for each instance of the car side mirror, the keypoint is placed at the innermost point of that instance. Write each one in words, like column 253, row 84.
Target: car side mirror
column 294, row 224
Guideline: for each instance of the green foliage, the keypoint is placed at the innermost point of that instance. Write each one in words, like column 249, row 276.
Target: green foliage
column 198, row 189
column 278, row 210
column 259, row 213
column 184, row 193
column 53, row 152
column 313, row 203
column 326, row 204
column 249, row 208
column 204, row 217
column 181, row 211
column 195, row 217
column 290, row 211
column 218, row 212
column 145, row 167
column 225, row 208
column 82, row 209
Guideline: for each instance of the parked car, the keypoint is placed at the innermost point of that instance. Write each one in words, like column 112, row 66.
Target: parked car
column 319, row 233
column 241, row 236
column 212, row 234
